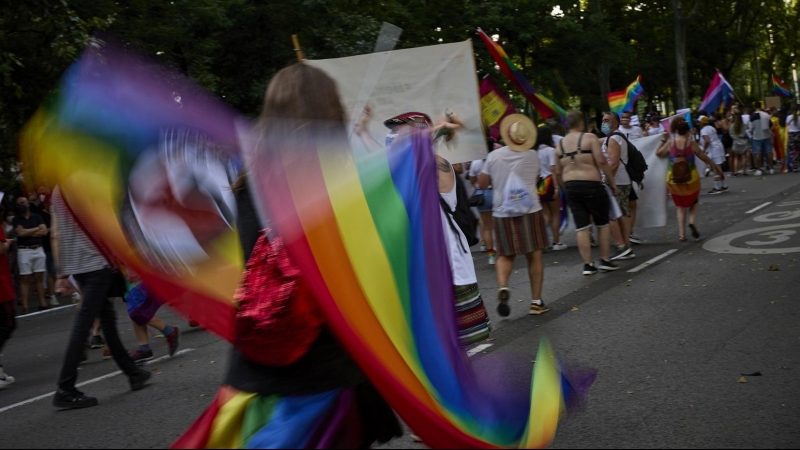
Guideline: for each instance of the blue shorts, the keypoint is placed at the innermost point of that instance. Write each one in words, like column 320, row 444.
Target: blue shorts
column 488, row 201
column 762, row 146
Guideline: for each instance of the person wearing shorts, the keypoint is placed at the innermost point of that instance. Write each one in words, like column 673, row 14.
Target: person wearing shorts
column 518, row 219
column 581, row 162
column 30, row 230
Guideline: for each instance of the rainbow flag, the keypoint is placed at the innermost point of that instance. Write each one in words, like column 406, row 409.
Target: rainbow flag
column 719, row 93
column 546, row 107
column 140, row 155
column 780, row 88
column 368, row 236
column 622, row 101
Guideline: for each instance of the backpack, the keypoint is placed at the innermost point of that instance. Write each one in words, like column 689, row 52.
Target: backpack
column 681, row 170
column 462, row 216
column 636, row 166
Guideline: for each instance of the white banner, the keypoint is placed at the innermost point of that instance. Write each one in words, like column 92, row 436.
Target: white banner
column 425, row 79
column 652, row 204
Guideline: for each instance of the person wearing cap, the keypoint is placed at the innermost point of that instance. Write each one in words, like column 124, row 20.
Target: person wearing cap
column 519, row 225
column 712, row 146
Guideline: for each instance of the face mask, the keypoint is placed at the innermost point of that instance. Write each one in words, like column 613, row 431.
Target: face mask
column 605, row 128
column 22, row 209
column 41, row 198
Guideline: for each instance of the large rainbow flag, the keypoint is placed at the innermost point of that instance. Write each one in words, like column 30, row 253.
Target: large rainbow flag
column 546, row 107
column 622, row 101
column 368, row 236
column 141, row 156
column 780, row 88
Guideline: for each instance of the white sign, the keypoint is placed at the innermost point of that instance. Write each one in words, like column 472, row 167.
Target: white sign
column 429, row 80
column 652, row 203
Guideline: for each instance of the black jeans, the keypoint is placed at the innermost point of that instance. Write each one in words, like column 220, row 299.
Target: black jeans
column 96, row 288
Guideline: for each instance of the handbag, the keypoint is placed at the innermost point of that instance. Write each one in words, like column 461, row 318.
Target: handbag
column 477, row 198
column 278, row 319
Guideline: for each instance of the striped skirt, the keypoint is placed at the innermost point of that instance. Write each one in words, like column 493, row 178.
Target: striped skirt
column 520, row 235
column 471, row 318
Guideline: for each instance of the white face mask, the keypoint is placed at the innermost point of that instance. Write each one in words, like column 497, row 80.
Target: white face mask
column 41, row 198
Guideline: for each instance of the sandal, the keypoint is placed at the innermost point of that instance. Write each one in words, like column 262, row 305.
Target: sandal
column 682, row 238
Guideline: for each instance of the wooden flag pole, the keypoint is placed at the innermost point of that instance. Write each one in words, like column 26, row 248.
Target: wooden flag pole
column 299, row 51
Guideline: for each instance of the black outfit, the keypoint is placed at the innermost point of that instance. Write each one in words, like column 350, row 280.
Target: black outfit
column 31, row 222
column 585, row 199
column 325, row 367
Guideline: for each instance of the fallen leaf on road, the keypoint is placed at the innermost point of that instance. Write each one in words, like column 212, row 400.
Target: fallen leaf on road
column 743, row 380
column 774, row 268
column 489, row 340
column 574, row 308
column 754, row 259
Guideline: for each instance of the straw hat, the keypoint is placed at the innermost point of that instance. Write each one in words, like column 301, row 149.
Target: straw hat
column 518, row 132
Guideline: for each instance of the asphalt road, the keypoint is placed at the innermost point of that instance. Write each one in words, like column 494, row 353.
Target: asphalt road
column 671, row 343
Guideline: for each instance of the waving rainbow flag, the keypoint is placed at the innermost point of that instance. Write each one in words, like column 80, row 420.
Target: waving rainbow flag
column 546, row 107
column 140, row 155
column 622, row 101
column 368, row 236
column 780, row 88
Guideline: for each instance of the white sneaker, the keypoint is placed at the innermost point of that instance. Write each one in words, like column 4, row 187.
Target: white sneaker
column 492, row 260
column 559, row 246
column 53, row 301
column 483, row 247
column 5, row 380
column 758, row 173
column 771, row 172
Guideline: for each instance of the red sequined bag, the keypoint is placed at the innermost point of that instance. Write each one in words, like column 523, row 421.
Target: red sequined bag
column 278, row 319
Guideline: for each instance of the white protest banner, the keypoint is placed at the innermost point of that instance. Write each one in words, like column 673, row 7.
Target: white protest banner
column 429, row 80
column 652, row 203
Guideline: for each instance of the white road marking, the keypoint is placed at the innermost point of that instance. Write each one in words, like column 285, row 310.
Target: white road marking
column 652, row 261
column 758, row 207
column 45, row 311
column 88, row 382
column 478, row 349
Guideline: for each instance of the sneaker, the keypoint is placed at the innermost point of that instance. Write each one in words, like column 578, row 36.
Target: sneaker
column 503, row 294
column 492, row 259
column 608, row 266
column 636, row 240
column 708, row 172
column 715, row 191
column 771, row 172
column 76, row 297
column 72, row 400
column 592, row 242
column 758, row 173
column 483, row 247
column 5, row 379
column 589, row 269
column 174, row 340
column 537, row 309
column 53, row 301
column 140, row 356
column 97, row 342
column 623, row 252
column 139, row 380
column 725, row 189
column 107, row 353
column 559, row 246
column 751, row 170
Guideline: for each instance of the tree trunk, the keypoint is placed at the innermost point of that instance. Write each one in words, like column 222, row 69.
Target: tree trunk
column 680, row 62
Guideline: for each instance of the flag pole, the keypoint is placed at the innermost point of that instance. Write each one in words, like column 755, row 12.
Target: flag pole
column 297, row 49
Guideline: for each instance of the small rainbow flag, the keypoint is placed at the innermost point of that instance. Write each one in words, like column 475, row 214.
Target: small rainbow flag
column 622, row 101
column 546, row 107
column 780, row 88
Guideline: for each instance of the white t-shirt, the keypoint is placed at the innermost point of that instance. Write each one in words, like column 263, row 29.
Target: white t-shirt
column 715, row 149
column 500, row 164
column 547, row 159
column 632, row 132
column 621, row 178
column 461, row 264
column 746, row 122
column 556, row 139
column 760, row 128
column 794, row 127
column 656, row 131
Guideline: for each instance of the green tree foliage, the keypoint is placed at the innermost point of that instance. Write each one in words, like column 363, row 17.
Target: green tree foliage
column 573, row 51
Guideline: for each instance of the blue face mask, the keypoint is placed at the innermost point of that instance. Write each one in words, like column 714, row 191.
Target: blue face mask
column 605, row 128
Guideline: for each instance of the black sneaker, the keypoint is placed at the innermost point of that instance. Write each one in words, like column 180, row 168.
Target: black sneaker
column 97, row 342
column 636, row 239
column 139, row 356
column 139, row 381
column 589, row 269
column 503, row 294
column 537, row 309
column 624, row 252
column 608, row 266
column 72, row 400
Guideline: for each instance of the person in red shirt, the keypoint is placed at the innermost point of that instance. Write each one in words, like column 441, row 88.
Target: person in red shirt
column 7, row 303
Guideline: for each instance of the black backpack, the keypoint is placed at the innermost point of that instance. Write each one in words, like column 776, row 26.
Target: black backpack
column 636, row 166
column 462, row 216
